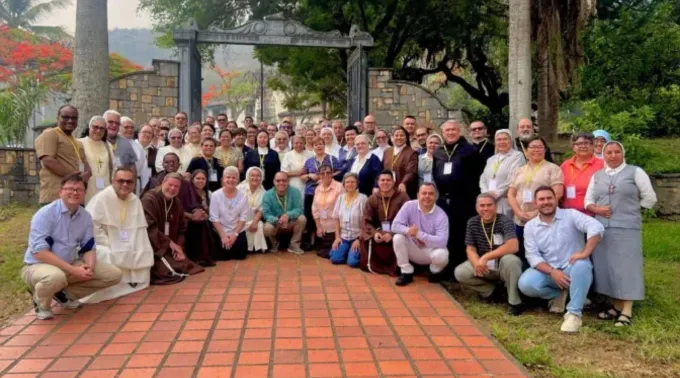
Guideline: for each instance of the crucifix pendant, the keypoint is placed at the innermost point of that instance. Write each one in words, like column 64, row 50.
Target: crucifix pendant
column 611, row 188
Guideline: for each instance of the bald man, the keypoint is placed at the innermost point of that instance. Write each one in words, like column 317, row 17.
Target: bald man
column 525, row 130
column 370, row 125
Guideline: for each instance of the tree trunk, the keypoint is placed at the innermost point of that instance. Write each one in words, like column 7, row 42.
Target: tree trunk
column 548, row 96
column 519, row 61
column 91, row 60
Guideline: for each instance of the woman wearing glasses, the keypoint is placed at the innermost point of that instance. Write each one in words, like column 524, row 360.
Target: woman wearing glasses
column 382, row 140
column 498, row 171
column 175, row 146
column 98, row 157
column 325, row 196
column 578, row 170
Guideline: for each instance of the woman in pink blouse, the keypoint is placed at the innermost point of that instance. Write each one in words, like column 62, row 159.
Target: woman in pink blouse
column 325, row 196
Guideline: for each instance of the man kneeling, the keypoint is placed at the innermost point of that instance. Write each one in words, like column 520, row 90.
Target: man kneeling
column 491, row 247
column 61, row 253
column 421, row 231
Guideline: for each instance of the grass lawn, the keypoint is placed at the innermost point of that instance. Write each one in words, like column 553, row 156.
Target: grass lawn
column 650, row 348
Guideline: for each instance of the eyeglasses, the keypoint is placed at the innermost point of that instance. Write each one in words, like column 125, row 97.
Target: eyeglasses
column 113, row 122
column 477, row 129
column 180, row 119
column 175, row 137
column 69, row 118
column 325, row 173
column 125, row 182
column 221, row 120
column 97, row 128
column 582, row 144
column 73, row 190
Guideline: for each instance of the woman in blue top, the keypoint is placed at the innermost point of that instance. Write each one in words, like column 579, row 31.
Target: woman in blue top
column 264, row 158
column 365, row 165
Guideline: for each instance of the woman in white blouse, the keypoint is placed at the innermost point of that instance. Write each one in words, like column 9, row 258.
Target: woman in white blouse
column 228, row 213
column 349, row 212
column 254, row 191
column 332, row 145
column 382, row 140
column 498, row 171
column 293, row 163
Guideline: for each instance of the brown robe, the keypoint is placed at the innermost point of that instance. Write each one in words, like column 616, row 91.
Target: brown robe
column 154, row 210
column 405, row 170
column 382, row 257
column 199, row 235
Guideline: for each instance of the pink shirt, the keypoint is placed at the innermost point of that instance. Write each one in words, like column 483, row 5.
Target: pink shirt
column 576, row 182
column 324, row 203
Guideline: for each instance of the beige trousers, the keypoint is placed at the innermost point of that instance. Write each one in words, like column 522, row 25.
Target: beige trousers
column 45, row 280
column 509, row 270
column 296, row 227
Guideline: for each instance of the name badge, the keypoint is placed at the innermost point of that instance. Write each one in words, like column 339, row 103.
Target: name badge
column 213, row 175
column 116, row 162
column 427, row 177
column 386, row 226
column 493, row 186
column 527, row 196
column 99, row 182
column 324, row 214
column 448, row 168
column 571, row 192
column 81, row 167
column 167, row 228
column 491, row 264
column 497, row 239
column 124, row 237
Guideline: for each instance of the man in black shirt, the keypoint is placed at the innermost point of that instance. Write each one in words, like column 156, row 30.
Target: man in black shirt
column 525, row 130
column 491, row 248
column 480, row 140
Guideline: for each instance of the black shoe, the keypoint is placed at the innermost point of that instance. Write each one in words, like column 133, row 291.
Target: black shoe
column 133, row 284
column 516, row 310
column 404, row 279
column 436, row 277
column 207, row 264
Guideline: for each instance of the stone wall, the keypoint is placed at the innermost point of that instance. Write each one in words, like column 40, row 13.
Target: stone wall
column 143, row 95
column 667, row 187
column 391, row 100
column 19, row 180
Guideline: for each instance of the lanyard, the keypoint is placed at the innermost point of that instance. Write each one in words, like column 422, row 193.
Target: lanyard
column 483, row 145
column 386, row 205
column 396, row 158
column 209, row 162
column 527, row 181
column 123, row 214
column 284, row 204
column 72, row 141
column 262, row 160
column 167, row 208
column 524, row 150
column 450, row 155
column 489, row 239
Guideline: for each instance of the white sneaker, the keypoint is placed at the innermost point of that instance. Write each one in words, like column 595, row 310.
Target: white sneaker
column 296, row 250
column 558, row 304
column 43, row 314
column 572, row 323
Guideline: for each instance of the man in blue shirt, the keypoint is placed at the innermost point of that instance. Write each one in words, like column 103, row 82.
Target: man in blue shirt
column 282, row 211
column 61, row 253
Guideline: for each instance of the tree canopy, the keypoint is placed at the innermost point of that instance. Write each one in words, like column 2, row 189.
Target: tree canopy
column 23, row 14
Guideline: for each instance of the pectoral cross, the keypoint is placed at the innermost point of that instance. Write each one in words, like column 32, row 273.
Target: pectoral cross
column 99, row 163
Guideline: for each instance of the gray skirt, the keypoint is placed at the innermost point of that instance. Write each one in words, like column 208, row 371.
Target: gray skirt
column 617, row 264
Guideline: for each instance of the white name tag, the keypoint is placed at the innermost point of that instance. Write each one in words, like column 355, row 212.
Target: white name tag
column 491, row 264
column 386, row 226
column 81, row 166
column 99, row 182
column 167, row 228
column 493, row 185
column 124, row 236
column 213, row 175
column 448, row 167
column 323, row 214
column 116, row 161
column 571, row 192
column 527, row 196
column 427, row 177
column 497, row 239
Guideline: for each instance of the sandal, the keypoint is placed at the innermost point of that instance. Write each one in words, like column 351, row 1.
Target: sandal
column 623, row 321
column 610, row 314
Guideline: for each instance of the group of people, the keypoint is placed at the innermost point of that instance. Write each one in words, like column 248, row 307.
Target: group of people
column 487, row 212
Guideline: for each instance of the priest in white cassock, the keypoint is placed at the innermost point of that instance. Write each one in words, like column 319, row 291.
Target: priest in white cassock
column 120, row 236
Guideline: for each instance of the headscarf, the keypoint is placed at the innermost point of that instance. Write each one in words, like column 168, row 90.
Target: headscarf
column 334, row 148
column 602, row 134
column 509, row 134
column 244, row 186
column 623, row 151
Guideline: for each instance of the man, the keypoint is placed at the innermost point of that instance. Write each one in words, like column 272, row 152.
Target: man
column 170, row 164
column 286, row 127
column 559, row 257
column 262, row 126
column 359, row 126
column 491, row 248
column 421, row 140
column 480, row 140
column 456, row 168
column 240, row 140
column 61, row 256
column 128, row 132
column 222, row 120
column 271, row 130
column 370, row 126
column 166, row 228
column 251, row 135
column 120, row 235
column 409, row 123
column 210, row 120
column 421, row 230
column 377, row 250
column 282, row 211
column 339, row 131
column 525, row 130
column 181, row 122
column 123, row 153
column 247, row 121
column 348, row 152
column 60, row 154
column 192, row 148
column 175, row 146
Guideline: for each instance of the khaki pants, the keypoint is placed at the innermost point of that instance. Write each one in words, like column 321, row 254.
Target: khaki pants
column 45, row 280
column 295, row 227
column 509, row 270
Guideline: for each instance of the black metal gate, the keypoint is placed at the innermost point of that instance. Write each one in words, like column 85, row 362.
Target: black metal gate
column 357, row 85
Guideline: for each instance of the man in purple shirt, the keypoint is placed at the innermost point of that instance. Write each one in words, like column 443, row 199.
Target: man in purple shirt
column 421, row 231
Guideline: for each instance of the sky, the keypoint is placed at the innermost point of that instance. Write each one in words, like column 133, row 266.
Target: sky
column 122, row 14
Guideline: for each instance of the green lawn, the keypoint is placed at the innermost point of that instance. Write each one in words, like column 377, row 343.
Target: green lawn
column 650, row 348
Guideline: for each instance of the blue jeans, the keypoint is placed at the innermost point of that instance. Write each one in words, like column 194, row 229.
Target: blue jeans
column 534, row 283
column 343, row 254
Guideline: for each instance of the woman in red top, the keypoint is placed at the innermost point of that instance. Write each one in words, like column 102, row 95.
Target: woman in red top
column 578, row 170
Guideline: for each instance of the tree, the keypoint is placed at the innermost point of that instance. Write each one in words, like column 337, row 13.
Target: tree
column 237, row 90
column 16, row 109
column 519, row 61
column 23, row 14
column 91, row 60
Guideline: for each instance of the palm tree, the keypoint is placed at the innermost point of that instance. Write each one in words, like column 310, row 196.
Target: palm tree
column 519, row 61
column 23, row 14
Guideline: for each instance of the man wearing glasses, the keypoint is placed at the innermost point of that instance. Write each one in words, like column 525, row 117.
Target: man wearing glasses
column 123, row 153
column 181, row 122
column 60, row 154
column 60, row 261
column 221, row 122
column 480, row 140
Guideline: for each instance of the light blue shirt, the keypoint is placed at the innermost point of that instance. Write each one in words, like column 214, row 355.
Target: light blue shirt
column 53, row 228
column 554, row 243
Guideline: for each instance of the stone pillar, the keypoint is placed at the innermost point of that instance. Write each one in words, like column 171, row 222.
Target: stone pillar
column 189, row 74
column 357, row 85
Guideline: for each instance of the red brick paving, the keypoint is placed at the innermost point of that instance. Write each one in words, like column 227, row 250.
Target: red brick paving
column 268, row 316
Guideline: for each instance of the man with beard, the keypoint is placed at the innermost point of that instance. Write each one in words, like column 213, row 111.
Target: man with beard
column 525, row 130
column 559, row 256
column 456, row 167
column 480, row 140
column 409, row 124
column 421, row 140
column 123, row 153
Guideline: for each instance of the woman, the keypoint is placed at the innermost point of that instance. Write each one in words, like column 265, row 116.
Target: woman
column 208, row 131
column 209, row 164
column 192, row 148
column 615, row 195
column 365, row 165
column 310, row 176
column 264, row 158
column 348, row 215
column 309, row 138
column 281, row 143
column 382, row 141
column 578, row 170
column 331, row 142
column 175, row 146
column 98, row 157
column 293, row 163
column 144, row 138
column 498, row 171
column 525, row 180
column 425, row 160
column 403, row 161
column 228, row 213
column 199, row 234
column 227, row 154
column 254, row 191
column 601, row 138
column 325, row 196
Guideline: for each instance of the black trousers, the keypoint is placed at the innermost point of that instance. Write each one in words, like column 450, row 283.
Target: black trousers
column 238, row 250
column 311, row 225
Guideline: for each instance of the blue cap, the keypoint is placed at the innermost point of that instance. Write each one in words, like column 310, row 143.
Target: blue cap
column 602, row 134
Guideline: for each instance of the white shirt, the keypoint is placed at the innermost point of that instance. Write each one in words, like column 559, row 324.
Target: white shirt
column 642, row 181
column 184, row 163
column 554, row 243
column 379, row 151
column 229, row 211
column 359, row 163
column 143, row 170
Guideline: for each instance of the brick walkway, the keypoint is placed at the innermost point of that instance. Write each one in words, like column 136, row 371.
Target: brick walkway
column 276, row 316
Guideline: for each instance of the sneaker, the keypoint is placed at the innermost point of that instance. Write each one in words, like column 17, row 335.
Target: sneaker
column 558, row 304
column 296, row 250
column 42, row 314
column 516, row 310
column 64, row 302
column 274, row 248
column 572, row 323
column 404, row 279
